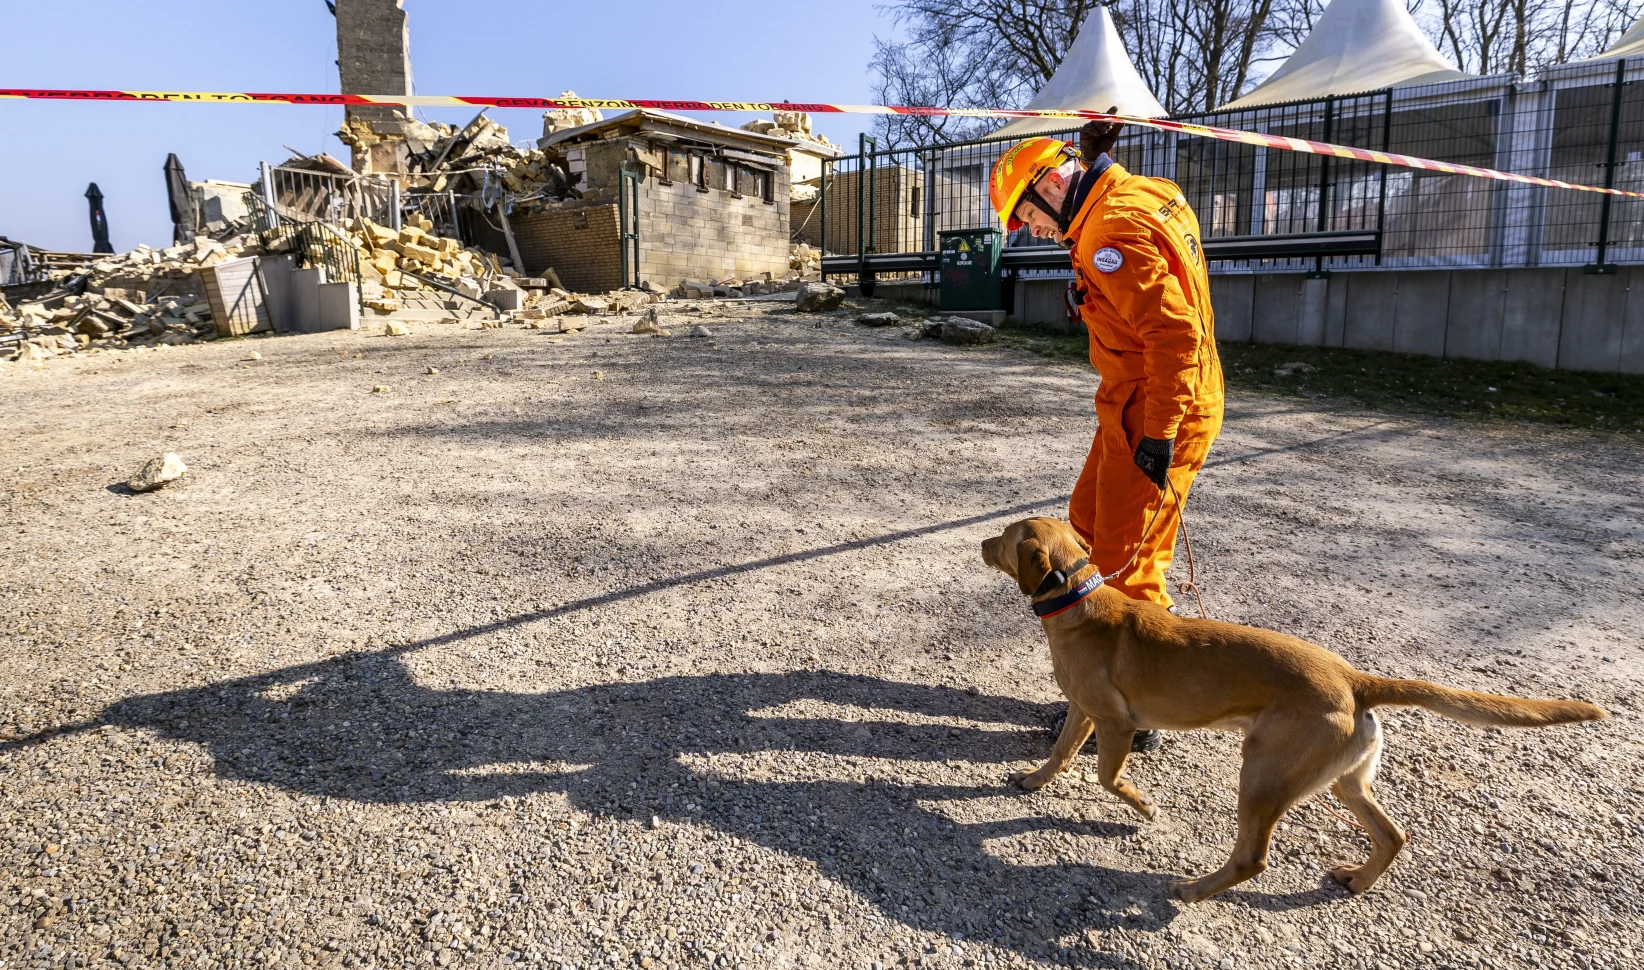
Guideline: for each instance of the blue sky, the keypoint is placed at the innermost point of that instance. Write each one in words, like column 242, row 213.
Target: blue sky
column 726, row 50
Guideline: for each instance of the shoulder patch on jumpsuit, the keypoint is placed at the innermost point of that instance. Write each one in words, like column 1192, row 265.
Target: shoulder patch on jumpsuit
column 1108, row 259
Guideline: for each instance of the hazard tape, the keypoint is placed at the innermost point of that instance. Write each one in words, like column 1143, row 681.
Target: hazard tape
column 1258, row 139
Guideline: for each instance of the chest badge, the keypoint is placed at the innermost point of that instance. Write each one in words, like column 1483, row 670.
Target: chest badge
column 1108, row 259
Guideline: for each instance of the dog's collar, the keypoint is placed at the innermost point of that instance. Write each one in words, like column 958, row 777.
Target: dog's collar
column 1058, row 577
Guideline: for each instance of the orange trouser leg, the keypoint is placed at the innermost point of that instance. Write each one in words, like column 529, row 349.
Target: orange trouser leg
column 1113, row 501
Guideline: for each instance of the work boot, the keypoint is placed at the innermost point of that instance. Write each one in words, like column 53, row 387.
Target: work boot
column 1145, row 742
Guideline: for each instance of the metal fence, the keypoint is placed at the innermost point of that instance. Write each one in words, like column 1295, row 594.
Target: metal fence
column 313, row 244
column 309, row 196
column 1269, row 210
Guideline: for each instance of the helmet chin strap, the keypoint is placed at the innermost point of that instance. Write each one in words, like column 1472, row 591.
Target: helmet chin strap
column 1064, row 213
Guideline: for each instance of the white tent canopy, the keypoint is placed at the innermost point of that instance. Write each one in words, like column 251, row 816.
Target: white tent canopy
column 1095, row 75
column 1356, row 46
column 1630, row 44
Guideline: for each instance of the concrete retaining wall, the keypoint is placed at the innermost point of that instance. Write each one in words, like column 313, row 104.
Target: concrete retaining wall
column 1561, row 318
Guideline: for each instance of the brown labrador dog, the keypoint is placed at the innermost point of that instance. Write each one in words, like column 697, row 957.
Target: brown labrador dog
column 1307, row 715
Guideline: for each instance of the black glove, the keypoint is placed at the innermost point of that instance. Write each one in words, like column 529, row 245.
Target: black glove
column 1097, row 137
column 1153, row 458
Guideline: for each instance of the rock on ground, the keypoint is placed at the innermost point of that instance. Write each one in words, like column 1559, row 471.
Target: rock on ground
column 158, row 472
column 958, row 330
column 885, row 319
column 814, row 297
column 699, row 662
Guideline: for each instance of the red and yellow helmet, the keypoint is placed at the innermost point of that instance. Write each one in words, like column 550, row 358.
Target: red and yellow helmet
column 1018, row 168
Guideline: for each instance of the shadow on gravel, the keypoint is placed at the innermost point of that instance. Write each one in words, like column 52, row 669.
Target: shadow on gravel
column 359, row 727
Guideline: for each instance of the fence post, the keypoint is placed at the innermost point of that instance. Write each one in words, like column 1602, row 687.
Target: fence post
column 394, row 222
column 862, row 207
column 1601, row 267
column 268, row 195
column 451, row 200
column 1319, row 272
column 1381, row 201
column 622, row 224
column 822, row 204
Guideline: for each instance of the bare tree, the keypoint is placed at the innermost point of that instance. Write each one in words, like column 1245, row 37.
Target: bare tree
column 1193, row 54
column 970, row 54
column 1522, row 36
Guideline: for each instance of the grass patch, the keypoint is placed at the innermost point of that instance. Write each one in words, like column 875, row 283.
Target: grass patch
column 1467, row 389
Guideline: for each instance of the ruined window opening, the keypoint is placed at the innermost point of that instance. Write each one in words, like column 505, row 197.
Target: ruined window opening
column 699, row 172
column 678, row 166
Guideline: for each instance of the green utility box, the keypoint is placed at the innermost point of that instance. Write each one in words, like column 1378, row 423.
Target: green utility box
column 970, row 269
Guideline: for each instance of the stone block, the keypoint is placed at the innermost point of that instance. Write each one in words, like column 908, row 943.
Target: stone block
column 1421, row 312
column 1370, row 308
column 1477, row 302
column 1232, row 299
column 1595, row 308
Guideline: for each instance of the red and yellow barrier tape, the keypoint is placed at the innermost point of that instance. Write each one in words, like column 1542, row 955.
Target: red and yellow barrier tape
column 545, row 104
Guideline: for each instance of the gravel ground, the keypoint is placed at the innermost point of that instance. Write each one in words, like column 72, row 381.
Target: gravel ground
column 608, row 650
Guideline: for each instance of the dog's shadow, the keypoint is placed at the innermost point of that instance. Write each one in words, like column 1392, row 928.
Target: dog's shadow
column 359, row 727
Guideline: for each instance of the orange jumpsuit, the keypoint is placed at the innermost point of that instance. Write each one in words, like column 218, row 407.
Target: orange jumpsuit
column 1152, row 338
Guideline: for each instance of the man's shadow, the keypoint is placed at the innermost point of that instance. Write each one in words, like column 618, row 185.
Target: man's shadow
column 359, row 727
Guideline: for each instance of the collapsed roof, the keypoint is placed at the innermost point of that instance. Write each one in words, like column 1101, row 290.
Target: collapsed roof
column 1356, row 46
column 669, row 126
column 1095, row 75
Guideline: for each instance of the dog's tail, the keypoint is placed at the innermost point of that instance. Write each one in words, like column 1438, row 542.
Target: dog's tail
column 1472, row 707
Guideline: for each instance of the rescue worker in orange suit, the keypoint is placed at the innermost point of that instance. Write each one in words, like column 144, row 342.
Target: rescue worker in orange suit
column 1145, row 301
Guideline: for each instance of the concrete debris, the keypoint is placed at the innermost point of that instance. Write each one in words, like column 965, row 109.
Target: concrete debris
column 158, row 472
column 805, row 259
column 878, row 319
column 432, row 371
column 1293, row 367
column 958, row 330
column 649, row 324
column 144, row 298
column 394, row 328
column 572, row 324
column 699, row 331
column 379, row 389
column 814, row 297
column 475, row 159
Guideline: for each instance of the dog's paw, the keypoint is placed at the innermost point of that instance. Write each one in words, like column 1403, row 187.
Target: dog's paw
column 1145, row 808
column 1353, row 878
column 1187, row 890
column 1025, row 780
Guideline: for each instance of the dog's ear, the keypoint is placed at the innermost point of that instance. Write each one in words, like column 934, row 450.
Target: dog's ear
column 1032, row 565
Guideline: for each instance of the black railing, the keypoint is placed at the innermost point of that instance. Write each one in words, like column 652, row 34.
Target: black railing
column 1263, row 209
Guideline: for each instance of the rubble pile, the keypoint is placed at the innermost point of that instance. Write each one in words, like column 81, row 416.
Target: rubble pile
column 790, row 124
column 393, row 262
column 144, row 298
column 805, row 260
column 476, row 159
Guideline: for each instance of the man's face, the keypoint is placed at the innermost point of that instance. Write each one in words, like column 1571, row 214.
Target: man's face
column 1052, row 187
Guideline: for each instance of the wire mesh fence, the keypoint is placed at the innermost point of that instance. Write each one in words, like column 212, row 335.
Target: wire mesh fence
column 1580, row 123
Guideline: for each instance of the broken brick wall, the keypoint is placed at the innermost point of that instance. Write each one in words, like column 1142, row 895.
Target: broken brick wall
column 580, row 244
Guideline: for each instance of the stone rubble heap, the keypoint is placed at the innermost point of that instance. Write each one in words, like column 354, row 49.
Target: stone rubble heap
column 475, row 159
column 144, row 298
column 152, row 298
